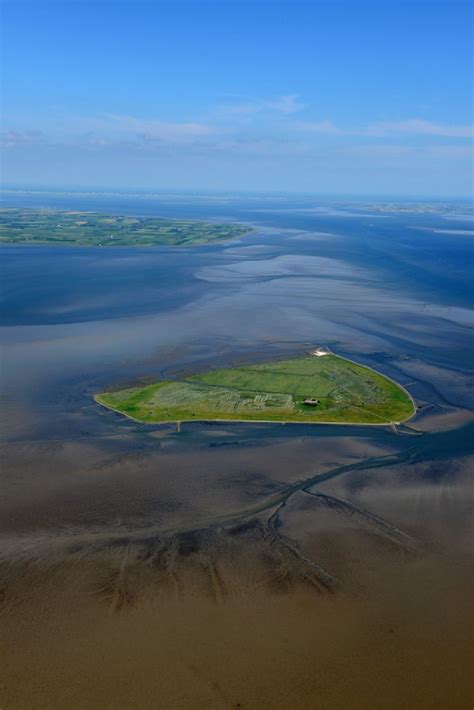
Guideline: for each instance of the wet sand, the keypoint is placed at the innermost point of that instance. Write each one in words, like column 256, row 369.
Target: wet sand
column 329, row 598
column 229, row 618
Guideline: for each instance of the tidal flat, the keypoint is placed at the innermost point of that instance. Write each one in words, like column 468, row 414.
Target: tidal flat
column 236, row 565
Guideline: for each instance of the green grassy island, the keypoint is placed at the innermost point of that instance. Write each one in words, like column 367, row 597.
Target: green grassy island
column 68, row 228
column 317, row 387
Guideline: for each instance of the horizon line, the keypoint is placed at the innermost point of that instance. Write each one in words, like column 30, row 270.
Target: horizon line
column 144, row 190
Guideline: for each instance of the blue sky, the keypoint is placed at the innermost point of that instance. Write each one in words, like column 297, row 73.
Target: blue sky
column 258, row 95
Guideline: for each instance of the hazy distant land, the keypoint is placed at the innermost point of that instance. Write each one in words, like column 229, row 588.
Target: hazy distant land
column 72, row 228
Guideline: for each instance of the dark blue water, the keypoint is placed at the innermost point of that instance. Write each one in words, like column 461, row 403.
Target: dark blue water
column 402, row 252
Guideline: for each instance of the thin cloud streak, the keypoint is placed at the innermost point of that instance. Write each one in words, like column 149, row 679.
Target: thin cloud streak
column 13, row 139
column 417, row 126
column 414, row 127
column 285, row 137
column 286, row 105
column 157, row 130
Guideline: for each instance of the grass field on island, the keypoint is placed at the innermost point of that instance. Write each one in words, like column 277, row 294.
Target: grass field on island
column 274, row 391
column 62, row 228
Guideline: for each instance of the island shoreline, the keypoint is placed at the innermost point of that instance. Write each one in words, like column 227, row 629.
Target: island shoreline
column 177, row 422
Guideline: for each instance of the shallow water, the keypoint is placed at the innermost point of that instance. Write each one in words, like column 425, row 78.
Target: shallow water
column 236, row 565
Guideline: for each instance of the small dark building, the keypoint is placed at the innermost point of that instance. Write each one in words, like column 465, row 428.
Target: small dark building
column 311, row 401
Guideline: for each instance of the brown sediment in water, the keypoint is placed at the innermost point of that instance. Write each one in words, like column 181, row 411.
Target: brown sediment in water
column 233, row 621
column 349, row 593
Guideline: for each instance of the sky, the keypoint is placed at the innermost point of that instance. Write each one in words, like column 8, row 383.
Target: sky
column 349, row 97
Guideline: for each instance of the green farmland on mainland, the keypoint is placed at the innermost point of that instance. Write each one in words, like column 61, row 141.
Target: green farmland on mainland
column 337, row 390
column 68, row 228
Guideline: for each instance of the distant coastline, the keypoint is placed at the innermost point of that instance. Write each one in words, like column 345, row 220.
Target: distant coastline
column 66, row 228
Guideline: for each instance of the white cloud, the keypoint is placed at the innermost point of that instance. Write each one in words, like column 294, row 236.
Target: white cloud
column 14, row 139
column 287, row 104
column 418, row 126
column 266, row 138
column 151, row 129
column 323, row 127
column 451, row 151
column 414, row 127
